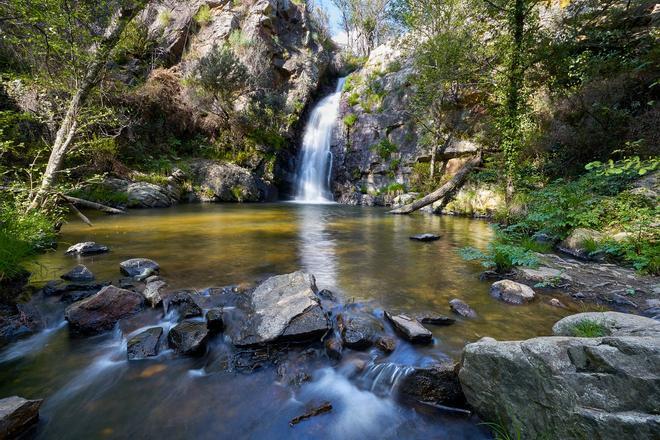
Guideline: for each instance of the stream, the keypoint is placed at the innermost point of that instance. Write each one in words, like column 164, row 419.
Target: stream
column 361, row 254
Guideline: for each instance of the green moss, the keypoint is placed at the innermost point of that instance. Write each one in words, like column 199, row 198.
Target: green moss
column 350, row 120
column 385, row 148
column 588, row 328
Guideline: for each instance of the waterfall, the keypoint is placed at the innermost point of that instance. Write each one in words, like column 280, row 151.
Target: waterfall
column 315, row 162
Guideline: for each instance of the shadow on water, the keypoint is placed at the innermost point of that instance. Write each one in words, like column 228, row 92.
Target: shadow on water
column 361, row 254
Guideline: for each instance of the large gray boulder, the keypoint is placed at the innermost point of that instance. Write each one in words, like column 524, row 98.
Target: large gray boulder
column 579, row 242
column 614, row 324
column 139, row 267
column 511, row 292
column 150, row 195
column 17, row 415
column 189, row 337
column 567, row 388
column 227, row 182
column 437, row 384
column 284, row 307
column 100, row 312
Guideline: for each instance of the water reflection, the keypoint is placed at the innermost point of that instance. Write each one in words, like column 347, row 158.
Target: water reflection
column 316, row 245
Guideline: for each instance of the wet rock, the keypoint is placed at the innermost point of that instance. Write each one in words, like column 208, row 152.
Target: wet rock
column 17, row 416
column 425, row 237
column 87, row 248
column 511, row 292
column 72, row 292
column 153, row 278
column 578, row 242
column 184, row 304
column 565, row 387
column 139, row 268
column 145, row 344
column 615, row 323
column 149, row 195
column 556, row 303
column 100, row 312
column 327, row 295
column 80, row 273
column 437, row 384
column 152, row 292
column 215, row 320
column 410, row 328
column 359, row 331
column 333, row 348
column 462, row 308
column 284, row 307
column 18, row 320
column 386, row 343
column 434, row 319
column 189, row 337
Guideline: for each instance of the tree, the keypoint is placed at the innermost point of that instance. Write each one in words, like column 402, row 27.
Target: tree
column 366, row 23
column 221, row 77
column 67, row 129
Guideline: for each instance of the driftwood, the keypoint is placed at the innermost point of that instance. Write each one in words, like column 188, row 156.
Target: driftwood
column 321, row 409
column 93, row 205
column 80, row 215
column 454, row 183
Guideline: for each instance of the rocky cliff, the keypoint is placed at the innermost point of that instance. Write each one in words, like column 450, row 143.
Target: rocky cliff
column 378, row 156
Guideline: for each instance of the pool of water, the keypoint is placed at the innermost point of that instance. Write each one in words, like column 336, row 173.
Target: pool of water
column 362, row 254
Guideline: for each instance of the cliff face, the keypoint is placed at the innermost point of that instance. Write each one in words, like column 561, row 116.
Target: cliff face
column 377, row 151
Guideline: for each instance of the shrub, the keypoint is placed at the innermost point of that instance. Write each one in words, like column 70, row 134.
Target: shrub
column 384, row 148
column 502, row 255
column 353, row 99
column 203, row 16
column 350, row 120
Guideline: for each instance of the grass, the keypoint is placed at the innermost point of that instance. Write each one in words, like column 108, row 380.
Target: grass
column 588, row 328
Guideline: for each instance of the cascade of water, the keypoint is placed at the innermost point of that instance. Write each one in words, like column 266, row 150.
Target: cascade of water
column 315, row 161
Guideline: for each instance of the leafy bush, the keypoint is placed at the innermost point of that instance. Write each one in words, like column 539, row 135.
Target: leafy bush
column 501, row 257
column 203, row 16
column 588, row 328
column 350, row 120
column 385, row 148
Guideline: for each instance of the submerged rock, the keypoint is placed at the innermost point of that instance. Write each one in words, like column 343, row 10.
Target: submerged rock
column 425, row 237
column 184, row 304
column 333, row 348
column 434, row 319
column 80, row 273
column 386, row 343
column 145, row 344
column 17, row 416
column 565, row 387
column 284, row 307
column 359, row 331
column 87, row 248
column 189, row 337
column 410, row 328
column 100, row 312
column 462, row 308
column 437, row 384
column 215, row 320
column 140, row 268
column 613, row 323
column 72, row 292
column 511, row 292
column 152, row 292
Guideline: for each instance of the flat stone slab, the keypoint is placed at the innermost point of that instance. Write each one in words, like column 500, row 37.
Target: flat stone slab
column 17, row 415
column 87, row 248
column 616, row 324
column 434, row 319
column 425, row 237
column 284, row 307
column 145, row 344
column 410, row 328
column 100, row 312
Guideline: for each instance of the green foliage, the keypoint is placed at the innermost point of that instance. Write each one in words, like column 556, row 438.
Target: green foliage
column 385, row 148
column 350, row 120
column 629, row 167
column 101, row 194
column 589, row 328
column 353, row 99
column 501, row 257
column 134, row 43
column 203, row 16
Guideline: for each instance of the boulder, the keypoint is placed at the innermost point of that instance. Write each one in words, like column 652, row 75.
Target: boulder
column 189, row 337
column 544, row 275
column 567, row 388
column 577, row 243
column 140, row 268
column 410, row 328
column 100, row 312
column 17, row 416
column 434, row 319
column 185, row 305
column 386, row 343
column 72, row 292
column 437, row 384
column 152, row 292
column 284, row 307
column 425, row 237
column 149, row 195
column 87, row 248
column 79, row 274
column 215, row 320
column 511, row 292
column 615, row 324
column 145, row 344
column 359, row 331
column 226, row 182
column 460, row 307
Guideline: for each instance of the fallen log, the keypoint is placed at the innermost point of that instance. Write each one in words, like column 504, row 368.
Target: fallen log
column 454, row 183
column 93, row 205
column 321, row 409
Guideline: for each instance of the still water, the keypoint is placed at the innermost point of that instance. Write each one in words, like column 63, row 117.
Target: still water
column 361, row 254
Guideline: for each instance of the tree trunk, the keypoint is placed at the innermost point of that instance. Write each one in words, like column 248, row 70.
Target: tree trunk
column 449, row 187
column 67, row 129
column 434, row 150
